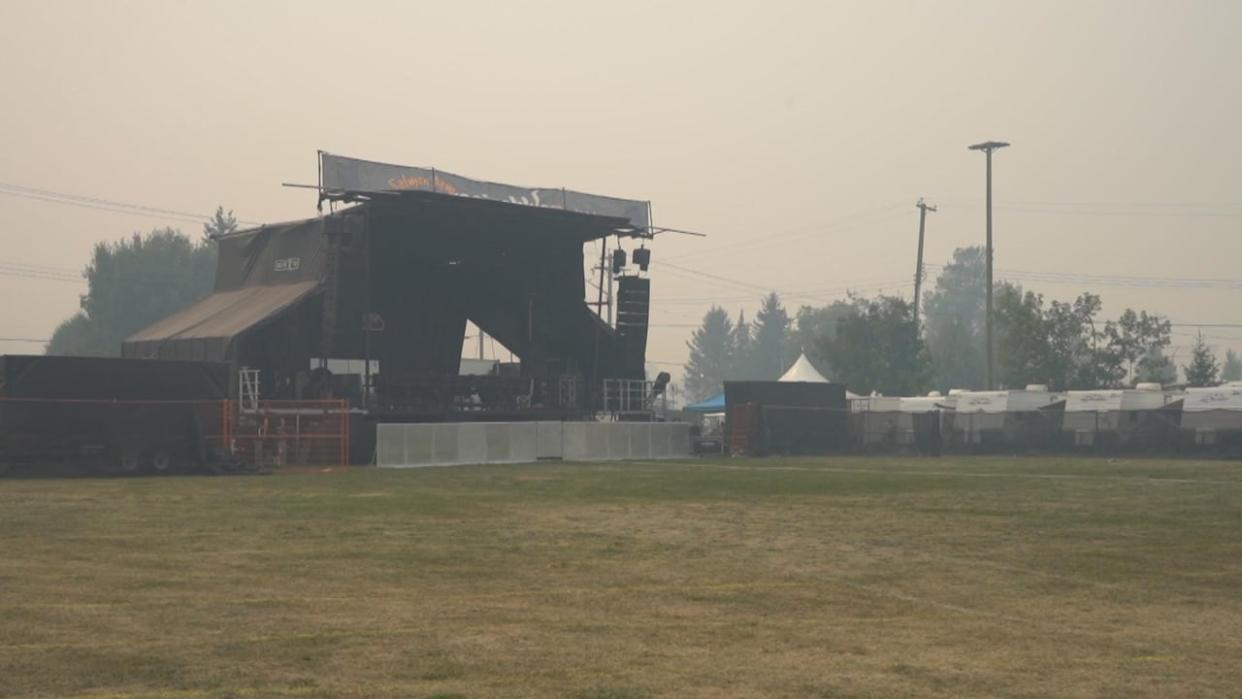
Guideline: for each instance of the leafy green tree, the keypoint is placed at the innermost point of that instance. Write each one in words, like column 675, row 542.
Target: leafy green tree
column 770, row 331
column 1081, row 355
column 1135, row 335
column 1060, row 345
column 132, row 283
column 953, row 321
column 1155, row 367
column 876, row 348
column 811, row 325
column 1203, row 367
column 78, row 337
column 711, row 355
column 1232, row 370
column 1025, row 354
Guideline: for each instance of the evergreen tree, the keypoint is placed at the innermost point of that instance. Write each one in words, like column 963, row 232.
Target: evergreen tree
column 771, row 329
column 1232, row 370
column 711, row 355
column 220, row 224
column 743, row 350
column 1203, row 366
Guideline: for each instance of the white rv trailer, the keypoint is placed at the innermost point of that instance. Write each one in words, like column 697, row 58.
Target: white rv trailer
column 1208, row 413
column 877, row 420
column 999, row 417
column 890, row 420
column 925, row 404
column 1116, row 416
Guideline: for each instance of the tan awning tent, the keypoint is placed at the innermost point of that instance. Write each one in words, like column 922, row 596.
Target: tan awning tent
column 260, row 274
column 206, row 330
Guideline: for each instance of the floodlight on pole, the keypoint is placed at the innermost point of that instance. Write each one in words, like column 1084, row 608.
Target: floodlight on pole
column 987, row 147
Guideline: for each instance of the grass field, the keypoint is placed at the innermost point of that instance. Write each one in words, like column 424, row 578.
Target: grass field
column 788, row 578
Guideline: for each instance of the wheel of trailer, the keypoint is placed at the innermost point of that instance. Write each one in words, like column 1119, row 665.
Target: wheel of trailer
column 130, row 463
column 161, row 462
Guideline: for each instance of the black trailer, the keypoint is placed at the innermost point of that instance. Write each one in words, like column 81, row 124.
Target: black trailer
column 110, row 415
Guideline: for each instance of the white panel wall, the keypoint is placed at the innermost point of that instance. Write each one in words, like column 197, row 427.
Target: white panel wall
column 549, row 440
column 446, row 444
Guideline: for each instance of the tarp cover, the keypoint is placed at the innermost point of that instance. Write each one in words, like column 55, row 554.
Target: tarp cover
column 353, row 175
column 260, row 273
column 715, row 404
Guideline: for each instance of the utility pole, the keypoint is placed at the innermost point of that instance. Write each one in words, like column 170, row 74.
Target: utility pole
column 987, row 147
column 918, row 267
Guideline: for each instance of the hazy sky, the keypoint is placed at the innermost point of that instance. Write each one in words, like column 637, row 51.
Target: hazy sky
column 798, row 135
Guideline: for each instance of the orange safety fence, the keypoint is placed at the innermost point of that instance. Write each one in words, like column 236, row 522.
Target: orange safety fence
column 291, row 433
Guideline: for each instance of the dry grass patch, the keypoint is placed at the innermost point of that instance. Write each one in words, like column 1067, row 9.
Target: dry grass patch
column 819, row 578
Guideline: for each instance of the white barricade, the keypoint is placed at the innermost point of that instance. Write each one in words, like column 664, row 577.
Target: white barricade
column 458, row 443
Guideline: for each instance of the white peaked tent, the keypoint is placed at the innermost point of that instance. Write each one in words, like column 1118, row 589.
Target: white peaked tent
column 803, row 370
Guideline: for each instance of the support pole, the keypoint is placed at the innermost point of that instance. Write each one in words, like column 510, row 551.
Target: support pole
column 987, row 148
column 988, row 324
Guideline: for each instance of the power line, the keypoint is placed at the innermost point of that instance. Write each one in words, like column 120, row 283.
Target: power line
column 32, row 266
column 1116, row 279
column 1133, row 209
column 843, row 284
column 101, row 204
column 1128, row 204
column 28, row 274
column 847, row 221
column 35, row 274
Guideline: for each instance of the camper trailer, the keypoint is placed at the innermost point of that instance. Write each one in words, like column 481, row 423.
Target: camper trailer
column 985, row 420
column 1213, row 416
column 1133, row 418
column 877, row 421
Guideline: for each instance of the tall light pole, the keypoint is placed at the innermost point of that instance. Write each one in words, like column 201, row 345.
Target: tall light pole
column 987, row 147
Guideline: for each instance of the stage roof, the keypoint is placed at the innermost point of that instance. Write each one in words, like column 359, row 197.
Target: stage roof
column 341, row 177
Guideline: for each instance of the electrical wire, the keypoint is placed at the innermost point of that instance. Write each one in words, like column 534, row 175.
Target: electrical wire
column 1114, row 279
column 101, row 204
column 833, row 225
column 1122, row 209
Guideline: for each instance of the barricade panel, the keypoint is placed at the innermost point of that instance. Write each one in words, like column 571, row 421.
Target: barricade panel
column 291, row 433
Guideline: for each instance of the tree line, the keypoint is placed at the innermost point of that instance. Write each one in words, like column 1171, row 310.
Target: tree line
column 136, row 281
column 872, row 344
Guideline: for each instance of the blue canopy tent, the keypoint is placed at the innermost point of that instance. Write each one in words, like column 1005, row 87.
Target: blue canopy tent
column 715, row 404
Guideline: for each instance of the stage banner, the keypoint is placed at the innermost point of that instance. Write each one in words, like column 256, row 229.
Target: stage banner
column 338, row 173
